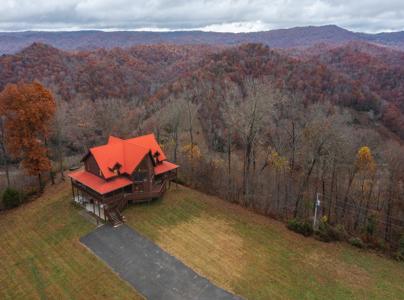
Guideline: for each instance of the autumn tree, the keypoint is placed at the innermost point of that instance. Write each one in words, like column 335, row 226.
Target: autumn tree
column 364, row 162
column 28, row 110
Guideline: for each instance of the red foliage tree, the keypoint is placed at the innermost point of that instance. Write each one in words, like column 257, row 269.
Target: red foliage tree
column 27, row 110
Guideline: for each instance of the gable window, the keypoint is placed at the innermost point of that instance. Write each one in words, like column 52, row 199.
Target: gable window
column 140, row 175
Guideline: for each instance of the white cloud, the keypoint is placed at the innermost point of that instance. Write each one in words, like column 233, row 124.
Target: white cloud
column 236, row 27
column 208, row 15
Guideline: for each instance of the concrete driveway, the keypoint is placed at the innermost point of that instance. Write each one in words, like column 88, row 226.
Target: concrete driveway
column 149, row 269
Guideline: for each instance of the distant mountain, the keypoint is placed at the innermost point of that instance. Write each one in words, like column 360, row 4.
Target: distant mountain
column 12, row 42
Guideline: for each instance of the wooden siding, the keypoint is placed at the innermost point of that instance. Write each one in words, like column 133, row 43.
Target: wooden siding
column 143, row 175
column 90, row 165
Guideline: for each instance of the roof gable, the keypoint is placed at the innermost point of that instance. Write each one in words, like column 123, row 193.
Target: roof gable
column 127, row 153
column 148, row 141
column 134, row 155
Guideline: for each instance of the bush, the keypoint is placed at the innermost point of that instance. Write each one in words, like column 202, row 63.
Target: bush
column 328, row 233
column 357, row 242
column 371, row 226
column 301, row 227
column 11, row 198
column 400, row 251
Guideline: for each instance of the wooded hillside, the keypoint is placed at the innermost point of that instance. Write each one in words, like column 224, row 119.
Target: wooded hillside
column 265, row 128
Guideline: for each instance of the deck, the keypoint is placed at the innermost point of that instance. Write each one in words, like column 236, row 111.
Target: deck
column 109, row 207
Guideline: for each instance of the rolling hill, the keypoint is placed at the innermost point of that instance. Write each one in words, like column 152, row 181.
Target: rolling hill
column 359, row 75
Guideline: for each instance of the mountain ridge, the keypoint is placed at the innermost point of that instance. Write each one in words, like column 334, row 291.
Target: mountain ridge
column 12, row 42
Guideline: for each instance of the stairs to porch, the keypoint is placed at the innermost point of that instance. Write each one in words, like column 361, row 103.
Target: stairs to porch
column 115, row 217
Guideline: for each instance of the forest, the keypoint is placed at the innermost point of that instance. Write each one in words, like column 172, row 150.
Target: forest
column 272, row 130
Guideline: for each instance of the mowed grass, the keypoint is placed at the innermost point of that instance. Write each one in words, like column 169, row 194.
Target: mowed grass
column 41, row 256
column 258, row 258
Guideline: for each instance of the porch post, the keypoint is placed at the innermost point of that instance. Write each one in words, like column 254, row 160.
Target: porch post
column 71, row 182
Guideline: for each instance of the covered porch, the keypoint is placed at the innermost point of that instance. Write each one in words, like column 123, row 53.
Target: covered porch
column 89, row 200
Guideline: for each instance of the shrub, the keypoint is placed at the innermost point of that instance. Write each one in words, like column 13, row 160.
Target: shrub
column 301, row 227
column 371, row 226
column 341, row 232
column 11, row 198
column 328, row 233
column 357, row 242
column 400, row 251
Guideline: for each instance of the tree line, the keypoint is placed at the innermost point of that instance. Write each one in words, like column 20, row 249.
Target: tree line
column 273, row 153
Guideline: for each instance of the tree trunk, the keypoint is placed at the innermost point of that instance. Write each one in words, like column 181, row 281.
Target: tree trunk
column 7, row 171
column 175, row 145
column 293, row 146
column 60, row 150
column 41, row 187
column 388, row 216
column 368, row 198
column 229, row 179
column 350, row 181
column 331, row 190
column 303, row 187
column 3, row 149
column 246, row 175
column 51, row 174
column 278, row 188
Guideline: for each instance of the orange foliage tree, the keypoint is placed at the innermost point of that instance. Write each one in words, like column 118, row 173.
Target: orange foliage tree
column 27, row 110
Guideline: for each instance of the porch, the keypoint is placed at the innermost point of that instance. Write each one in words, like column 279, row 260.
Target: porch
column 107, row 207
column 91, row 204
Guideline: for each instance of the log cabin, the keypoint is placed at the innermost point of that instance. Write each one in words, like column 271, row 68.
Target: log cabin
column 121, row 172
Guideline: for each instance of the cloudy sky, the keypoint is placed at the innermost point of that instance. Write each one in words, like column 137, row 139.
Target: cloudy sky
column 209, row 15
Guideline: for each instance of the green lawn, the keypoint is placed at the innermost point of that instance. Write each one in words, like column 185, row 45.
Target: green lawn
column 258, row 258
column 42, row 258
column 253, row 256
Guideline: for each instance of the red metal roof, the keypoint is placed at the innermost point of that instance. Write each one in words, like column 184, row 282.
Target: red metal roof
column 128, row 153
column 98, row 184
column 163, row 167
column 148, row 141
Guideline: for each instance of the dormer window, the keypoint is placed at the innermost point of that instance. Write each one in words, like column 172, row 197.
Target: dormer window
column 156, row 156
column 116, row 168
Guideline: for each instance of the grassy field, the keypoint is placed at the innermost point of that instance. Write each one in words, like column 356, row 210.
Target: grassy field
column 41, row 257
column 253, row 256
column 258, row 258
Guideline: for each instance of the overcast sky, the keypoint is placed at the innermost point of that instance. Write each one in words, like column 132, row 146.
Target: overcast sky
column 210, row 15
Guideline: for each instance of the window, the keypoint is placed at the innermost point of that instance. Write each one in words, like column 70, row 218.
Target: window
column 139, row 176
column 128, row 189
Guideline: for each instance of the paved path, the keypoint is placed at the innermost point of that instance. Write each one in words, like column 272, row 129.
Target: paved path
column 149, row 269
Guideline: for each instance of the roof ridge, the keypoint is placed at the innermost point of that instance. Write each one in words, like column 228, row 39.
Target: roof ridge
column 127, row 152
